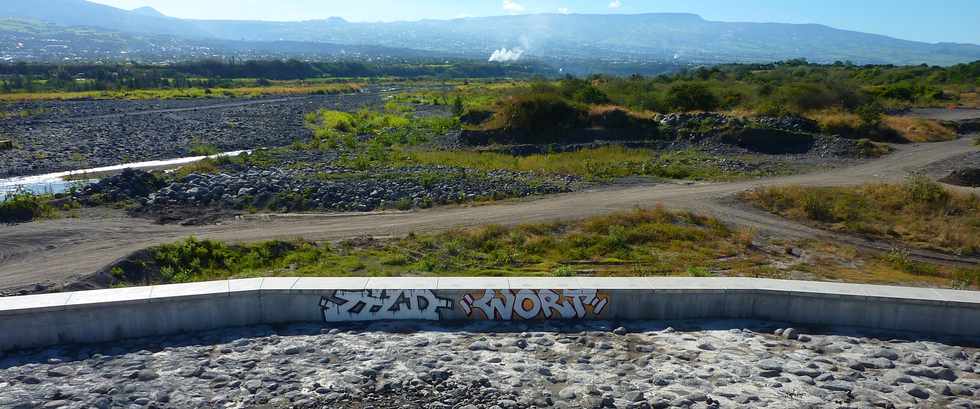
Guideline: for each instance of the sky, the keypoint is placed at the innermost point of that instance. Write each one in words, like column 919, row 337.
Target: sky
column 930, row 21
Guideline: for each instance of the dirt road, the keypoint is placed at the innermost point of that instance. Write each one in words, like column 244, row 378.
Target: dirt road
column 57, row 250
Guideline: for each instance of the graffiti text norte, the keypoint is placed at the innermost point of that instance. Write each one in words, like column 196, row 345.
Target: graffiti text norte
column 370, row 305
column 529, row 305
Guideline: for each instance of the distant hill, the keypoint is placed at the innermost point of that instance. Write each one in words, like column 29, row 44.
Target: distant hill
column 148, row 11
column 36, row 41
column 631, row 38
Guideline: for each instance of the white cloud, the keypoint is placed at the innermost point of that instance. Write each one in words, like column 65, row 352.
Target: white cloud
column 564, row 10
column 615, row 4
column 512, row 6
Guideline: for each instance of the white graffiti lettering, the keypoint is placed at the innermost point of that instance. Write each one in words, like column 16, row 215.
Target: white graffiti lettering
column 530, row 305
column 372, row 305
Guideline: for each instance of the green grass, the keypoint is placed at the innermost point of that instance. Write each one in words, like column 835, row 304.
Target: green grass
column 653, row 242
column 202, row 149
column 645, row 242
column 592, row 164
column 335, row 129
column 919, row 212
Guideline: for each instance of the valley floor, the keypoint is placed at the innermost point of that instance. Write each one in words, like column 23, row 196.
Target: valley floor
column 56, row 251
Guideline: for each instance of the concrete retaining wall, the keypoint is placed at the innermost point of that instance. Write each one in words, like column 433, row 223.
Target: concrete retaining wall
column 107, row 315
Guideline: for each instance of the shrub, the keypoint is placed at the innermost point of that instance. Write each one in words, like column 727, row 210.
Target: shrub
column 563, row 271
column 921, row 189
column 202, row 149
column 22, row 207
column 691, row 97
column 541, row 114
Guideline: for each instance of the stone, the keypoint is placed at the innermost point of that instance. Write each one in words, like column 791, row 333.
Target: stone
column 790, row 333
column 917, row 391
column 61, row 372
column 837, row 386
column 146, row 375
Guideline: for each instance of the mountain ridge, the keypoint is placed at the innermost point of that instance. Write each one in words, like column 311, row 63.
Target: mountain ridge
column 612, row 37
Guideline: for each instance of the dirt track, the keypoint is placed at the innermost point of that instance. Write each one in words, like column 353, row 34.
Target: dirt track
column 56, row 250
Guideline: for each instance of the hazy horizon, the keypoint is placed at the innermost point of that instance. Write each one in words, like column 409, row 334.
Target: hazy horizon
column 909, row 20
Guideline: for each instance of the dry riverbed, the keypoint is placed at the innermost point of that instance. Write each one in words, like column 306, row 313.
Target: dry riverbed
column 700, row 364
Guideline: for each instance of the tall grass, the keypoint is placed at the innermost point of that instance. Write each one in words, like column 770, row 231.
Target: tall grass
column 646, row 242
column 919, row 212
column 920, row 129
column 593, row 164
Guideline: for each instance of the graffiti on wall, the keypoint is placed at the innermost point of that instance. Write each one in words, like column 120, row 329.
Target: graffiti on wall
column 371, row 305
column 506, row 305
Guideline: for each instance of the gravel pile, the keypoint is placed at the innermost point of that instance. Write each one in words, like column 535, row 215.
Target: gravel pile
column 297, row 189
column 128, row 185
column 969, row 177
column 321, row 188
column 482, row 365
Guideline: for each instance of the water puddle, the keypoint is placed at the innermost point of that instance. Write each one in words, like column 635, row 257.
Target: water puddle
column 54, row 183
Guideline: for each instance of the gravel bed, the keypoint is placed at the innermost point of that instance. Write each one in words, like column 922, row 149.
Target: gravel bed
column 301, row 189
column 97, row 136
column 727, row 364
column 200, row 198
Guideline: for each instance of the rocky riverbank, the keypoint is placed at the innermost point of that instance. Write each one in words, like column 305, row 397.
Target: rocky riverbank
column 483, row 365
column 316, row 187
column 89, row 134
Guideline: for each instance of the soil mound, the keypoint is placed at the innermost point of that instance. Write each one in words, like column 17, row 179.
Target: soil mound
column 969, row 177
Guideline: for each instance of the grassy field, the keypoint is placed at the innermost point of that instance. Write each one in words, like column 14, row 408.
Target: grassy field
column 919, row 213
column 652, row 242
column 604, row 163
column 290, row 88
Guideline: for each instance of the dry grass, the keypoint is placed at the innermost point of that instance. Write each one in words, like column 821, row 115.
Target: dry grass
column 187, row 93
column 919, row 213
column 599, row 110
column 920, row 129
column 835, row 119
column 969, row 99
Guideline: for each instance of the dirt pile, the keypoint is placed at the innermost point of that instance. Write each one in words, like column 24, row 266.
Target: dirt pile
column 969, row 177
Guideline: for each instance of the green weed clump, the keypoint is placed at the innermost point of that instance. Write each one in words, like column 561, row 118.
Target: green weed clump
column 366, row 130
column 24, row 207
column 201, row 260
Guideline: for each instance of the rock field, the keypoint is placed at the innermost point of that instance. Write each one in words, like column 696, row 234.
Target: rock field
column 491, row 365
column 88, row 134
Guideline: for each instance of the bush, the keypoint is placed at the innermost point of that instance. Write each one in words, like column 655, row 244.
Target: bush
column 541, row 114
column 921, row 189
column 23, row 207
column 691, row 97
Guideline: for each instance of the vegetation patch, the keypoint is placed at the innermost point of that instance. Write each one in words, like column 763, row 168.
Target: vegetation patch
column 24, row 207
column 641, row 242
column 920, row 129
column 653, row 242
column 919, row 212
column 603, row 163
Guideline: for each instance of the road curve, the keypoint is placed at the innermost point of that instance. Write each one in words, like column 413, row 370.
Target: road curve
column 58, row 250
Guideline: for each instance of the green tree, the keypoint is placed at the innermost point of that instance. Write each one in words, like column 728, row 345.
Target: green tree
column 458, row 108
column 691, row 96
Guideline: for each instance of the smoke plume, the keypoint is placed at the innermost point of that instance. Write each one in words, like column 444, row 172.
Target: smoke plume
column 507, row 55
